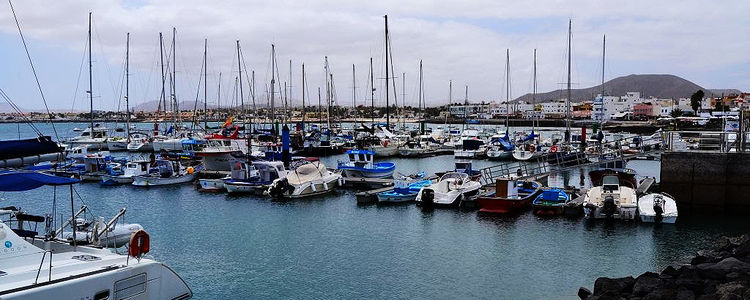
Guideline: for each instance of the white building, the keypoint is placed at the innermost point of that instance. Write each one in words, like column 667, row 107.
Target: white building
column 554, row 109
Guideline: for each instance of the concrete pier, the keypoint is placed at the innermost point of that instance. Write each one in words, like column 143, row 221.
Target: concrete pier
column 707, row 182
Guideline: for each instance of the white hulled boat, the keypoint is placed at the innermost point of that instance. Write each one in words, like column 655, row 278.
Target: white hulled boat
column 309, row 179
column 610, row 200
column 450, row 189
column 169, row 172
column 657, row 208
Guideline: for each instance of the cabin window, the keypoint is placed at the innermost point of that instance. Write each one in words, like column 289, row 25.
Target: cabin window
column 102, row 295
column 351, row 156
column 85, row 133
column 362, row 157
column 131, row 286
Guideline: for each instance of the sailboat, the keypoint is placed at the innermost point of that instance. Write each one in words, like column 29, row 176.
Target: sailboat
column 121, row 143
column 94, row 137
column 528, row 147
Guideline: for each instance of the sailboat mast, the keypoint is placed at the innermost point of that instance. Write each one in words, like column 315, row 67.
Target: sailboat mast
column 304, row 86
column 273, row 83
column 289, row 97
column 403, row 99
column 387, row 106
column 163, row 76
column 218, row 96
column 320, row 110
column 533, row 97
column 354, row 93
column 567, row 102
column 466, row 104
column 205, row 84
column 174, row 76
column 372, row 94
column 421, row 101
column 127, row 85
column 91, row 83
column 507, row 88
column 604, row 51
column 239, row 69
column 450, row 101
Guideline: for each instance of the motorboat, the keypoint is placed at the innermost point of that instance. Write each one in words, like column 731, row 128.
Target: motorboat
column 95, row 165
column 425, row 146
column 166, row 172
column 217, row 154
column 361, row 164
column 611, row 198
column 464, row 166
column 50, row 266
column 450, row 189
column 657, row 208
column 309, row 179
column 509, row 196
column 403, row 191
column 129, row 172
column 551, row 201
column 255, row 177
column 140, row 142
column 94, row 138
column 471, row 148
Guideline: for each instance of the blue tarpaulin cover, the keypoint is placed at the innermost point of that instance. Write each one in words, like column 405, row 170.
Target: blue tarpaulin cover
column 12, row 181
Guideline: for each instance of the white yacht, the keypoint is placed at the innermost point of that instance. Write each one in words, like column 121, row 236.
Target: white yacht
column 34, row 266
column 450, row 189
column 657, row 208
column 95, row 141
column 309, row 179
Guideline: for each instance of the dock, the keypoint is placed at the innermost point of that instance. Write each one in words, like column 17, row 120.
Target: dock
column 371, row 196
column 644, row 185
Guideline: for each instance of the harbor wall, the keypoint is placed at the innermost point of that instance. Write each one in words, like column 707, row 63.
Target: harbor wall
column 707, row 182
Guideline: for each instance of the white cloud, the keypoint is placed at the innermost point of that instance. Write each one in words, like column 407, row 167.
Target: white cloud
column 460, row 40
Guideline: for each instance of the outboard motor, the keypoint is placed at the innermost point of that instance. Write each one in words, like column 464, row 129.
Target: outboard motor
column 278, row 188
column 658, row 209
column 428, row 198
column 609, row 207
column 591, row 209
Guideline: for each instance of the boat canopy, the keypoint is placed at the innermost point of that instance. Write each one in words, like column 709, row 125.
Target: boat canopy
column 13, row 181
column 356, row 151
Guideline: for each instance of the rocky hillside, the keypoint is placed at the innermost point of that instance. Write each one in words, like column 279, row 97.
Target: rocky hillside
column 656, row 85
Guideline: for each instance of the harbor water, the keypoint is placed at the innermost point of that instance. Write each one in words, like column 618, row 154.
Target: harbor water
column 247, row 247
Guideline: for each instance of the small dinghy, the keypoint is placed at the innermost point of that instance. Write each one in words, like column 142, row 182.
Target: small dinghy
column 550, row 202
column 657, row 208
column 116, row 236
column 403, row 191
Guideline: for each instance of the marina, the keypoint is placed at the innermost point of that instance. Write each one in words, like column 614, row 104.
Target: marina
column 221, row 176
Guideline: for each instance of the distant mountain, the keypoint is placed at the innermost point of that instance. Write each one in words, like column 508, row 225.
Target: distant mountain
column 184, row 105
column 650, row 85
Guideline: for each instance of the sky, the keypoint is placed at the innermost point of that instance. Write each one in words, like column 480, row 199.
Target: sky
column 462, row 41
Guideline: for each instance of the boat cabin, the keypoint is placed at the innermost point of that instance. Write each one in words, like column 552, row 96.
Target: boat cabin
column 610, row 183
column 361, row 158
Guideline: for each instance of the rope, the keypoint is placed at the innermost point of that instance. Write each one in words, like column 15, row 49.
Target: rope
column 31, row 62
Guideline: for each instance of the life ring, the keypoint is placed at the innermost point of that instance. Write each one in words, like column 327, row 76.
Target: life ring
column 384, row 143
column 532, row 149
column 553, row 149
column 139, row 244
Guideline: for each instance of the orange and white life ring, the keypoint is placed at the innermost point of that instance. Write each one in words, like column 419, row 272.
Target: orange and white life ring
column 140, row 244
column 384, row 143
column 553, row 149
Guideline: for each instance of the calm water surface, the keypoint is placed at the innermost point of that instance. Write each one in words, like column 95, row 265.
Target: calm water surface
column 240, row 247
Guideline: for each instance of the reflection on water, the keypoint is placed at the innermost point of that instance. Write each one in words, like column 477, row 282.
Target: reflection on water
column 239, row 247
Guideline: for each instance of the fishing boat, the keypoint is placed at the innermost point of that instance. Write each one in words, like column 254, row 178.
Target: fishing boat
column 309, row 179
column 449, row 190
column 551, row 201
column 50, row 266
column 424, row 146
column 167, row 172
column 657, row 208
column 95, row 166
column 403, row 191
column 510, row 196
column 361, row 164
column 255, row 177
column 132, row 169
column 611, row 198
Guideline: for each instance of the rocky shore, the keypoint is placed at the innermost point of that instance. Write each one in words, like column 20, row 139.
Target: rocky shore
column 720, row 273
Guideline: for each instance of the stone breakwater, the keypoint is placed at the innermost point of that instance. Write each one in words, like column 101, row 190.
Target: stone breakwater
column 719, row 273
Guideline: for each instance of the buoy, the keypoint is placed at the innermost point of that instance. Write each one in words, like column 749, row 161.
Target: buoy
column 140, row 244
column 553, row 149
column 190, row 170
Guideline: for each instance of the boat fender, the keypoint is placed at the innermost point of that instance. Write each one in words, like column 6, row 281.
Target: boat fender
column 140, row 244
column 553, row 149
column 312, row 187
column 325, row 186
column 190, row 170
column 341, row 181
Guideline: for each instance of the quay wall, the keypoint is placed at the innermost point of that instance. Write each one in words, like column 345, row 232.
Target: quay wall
column 707, row 182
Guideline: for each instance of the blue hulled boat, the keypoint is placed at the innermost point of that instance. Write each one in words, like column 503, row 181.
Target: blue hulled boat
column 551, row 202
column 361, row 164
column 403, row 191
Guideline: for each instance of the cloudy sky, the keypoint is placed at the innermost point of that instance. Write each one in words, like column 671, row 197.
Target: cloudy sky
column 463, row 41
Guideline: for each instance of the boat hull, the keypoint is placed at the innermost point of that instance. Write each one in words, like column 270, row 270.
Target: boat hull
column 115, row 180
column 622, row 213
column 117, row 145
column 238, row 187
column 211, row 185
column 501, row 205
column 157, row 181
column 499, row 155
column 392, row 197
column 140, row 147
